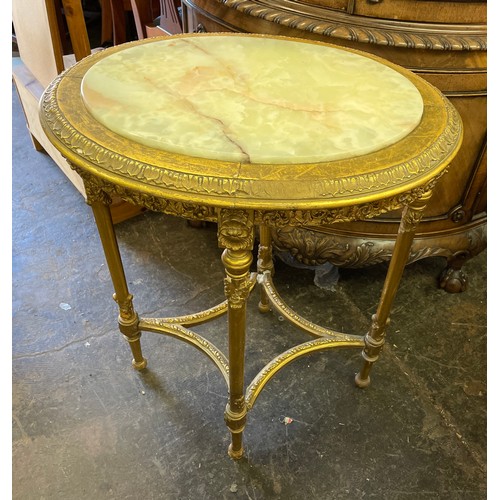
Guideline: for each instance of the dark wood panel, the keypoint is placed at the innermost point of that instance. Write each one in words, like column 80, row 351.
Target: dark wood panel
column 445, row 43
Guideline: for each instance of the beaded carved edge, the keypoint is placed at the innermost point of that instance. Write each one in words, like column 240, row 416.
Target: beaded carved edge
column 362, row 29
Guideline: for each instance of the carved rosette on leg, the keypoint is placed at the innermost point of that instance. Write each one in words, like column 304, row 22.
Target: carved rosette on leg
column 236, row 236
column 375, row 338
column 128, row 319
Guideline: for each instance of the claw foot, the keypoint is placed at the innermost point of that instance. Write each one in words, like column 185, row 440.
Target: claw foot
column 453, row 280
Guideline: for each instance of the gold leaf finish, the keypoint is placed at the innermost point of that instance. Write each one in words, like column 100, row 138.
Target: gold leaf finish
column 239, row 196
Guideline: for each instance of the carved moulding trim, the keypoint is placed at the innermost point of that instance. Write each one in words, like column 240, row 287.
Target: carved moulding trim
column 276, row 364
column 98, row 189
column 326, row 22
column 165, row 327
column 81, row 147
column 296, row 319
column 313, row 248
column 225, row 190
column 319, row 217
column 199, row 317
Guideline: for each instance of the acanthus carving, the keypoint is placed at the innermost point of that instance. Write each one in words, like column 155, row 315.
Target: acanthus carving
column 334, row 24
column 477, row 240
column 98, row 189
column 93, row 187
column 314, row 248
column 311, row 247
column 237, row 291
column 236, row 235
column 127, row 312
column 282, row 218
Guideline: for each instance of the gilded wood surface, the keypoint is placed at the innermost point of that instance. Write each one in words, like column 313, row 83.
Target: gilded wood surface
column 165, row 327
column 239, row 196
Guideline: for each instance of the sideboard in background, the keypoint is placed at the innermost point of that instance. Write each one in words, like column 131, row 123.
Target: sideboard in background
column 442, row 41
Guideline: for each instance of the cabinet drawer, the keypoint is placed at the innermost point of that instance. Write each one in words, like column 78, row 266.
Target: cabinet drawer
column 423, row 10
column 201, row 22
column 331, row 4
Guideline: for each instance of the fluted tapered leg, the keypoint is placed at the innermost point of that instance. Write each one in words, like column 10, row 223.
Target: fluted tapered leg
column 128, row 319
column 236, row 236
column 375, row 338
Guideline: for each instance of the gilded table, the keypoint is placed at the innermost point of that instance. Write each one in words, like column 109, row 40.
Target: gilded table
column 251, row 131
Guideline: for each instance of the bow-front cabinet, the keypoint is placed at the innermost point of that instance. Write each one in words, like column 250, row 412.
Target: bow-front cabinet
column 442, row 41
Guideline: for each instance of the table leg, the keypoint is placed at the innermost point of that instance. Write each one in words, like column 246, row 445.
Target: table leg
column 375, row 338
column 237, row 288
column 128, row 319
column 236, row 236
column 265, row 263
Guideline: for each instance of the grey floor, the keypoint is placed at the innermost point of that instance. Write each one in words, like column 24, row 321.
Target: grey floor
column 86, row 425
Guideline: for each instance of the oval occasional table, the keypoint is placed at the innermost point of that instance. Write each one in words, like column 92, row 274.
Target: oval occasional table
column 251, row 131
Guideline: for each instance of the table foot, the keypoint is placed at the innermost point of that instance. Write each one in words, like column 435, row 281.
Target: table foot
column 139, row 366
column 264, row 307
column 236, row 423
column 360, row 381
column 235, row 455
column 138, row 361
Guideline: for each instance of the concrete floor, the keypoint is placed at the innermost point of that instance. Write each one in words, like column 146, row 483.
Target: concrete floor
column 86, row 425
